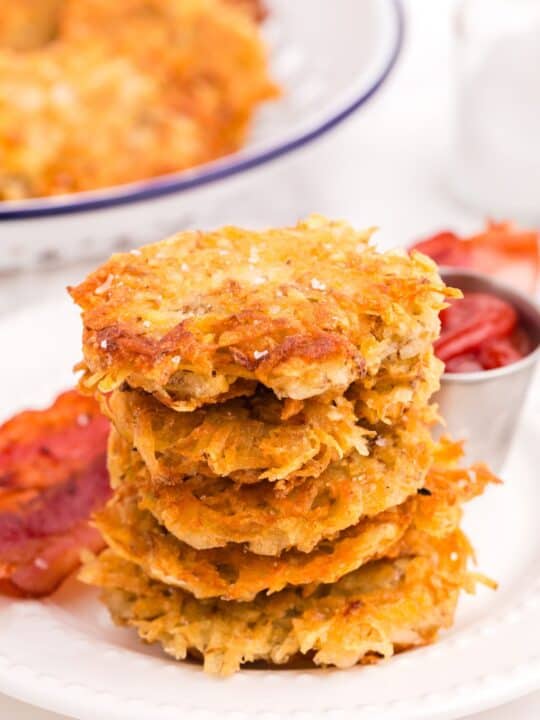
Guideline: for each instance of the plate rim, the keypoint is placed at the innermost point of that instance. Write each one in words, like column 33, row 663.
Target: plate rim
column 483, row 692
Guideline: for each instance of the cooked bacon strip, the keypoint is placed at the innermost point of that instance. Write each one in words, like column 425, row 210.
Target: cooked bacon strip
column 40, row 448
column 53, row 475
column 502, row 250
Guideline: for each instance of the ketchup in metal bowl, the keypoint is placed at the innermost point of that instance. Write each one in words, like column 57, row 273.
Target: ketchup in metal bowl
column 491, row 342
column 480, row 332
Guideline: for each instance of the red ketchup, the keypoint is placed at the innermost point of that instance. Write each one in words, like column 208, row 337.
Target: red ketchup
column 480, row 332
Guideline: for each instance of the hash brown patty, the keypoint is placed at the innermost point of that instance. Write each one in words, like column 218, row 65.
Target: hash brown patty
column 201, row 317
column 246, row 439
column 234, row 573
column 208, row 512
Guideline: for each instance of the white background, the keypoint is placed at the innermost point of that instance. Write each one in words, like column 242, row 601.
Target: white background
column 387, row 166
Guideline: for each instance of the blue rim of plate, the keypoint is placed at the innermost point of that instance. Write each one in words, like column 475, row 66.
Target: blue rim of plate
column 188, row 180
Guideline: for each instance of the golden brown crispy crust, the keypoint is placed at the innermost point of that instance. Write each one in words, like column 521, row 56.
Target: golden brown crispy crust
column 234, row 573
column 390, row 395
column 384, row 607
column 302, row 310
column 246, row 439
column 28, row 24
column 169, row 84
column 457, row 484
column 210, row 512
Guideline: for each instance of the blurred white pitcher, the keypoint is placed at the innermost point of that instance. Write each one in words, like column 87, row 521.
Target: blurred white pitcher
column 496, row 158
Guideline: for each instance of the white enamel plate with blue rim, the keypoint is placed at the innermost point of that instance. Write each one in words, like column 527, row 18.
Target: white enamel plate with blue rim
column 65, row 655
column 329, row 59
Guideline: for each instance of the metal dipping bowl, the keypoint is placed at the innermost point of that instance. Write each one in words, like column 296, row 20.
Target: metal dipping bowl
column 483, row 407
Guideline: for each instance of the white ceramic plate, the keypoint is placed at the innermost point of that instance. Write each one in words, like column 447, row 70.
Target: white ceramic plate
column 64, row 654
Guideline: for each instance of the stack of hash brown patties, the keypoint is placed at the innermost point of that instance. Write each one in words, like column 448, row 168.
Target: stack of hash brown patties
column 277, row 493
